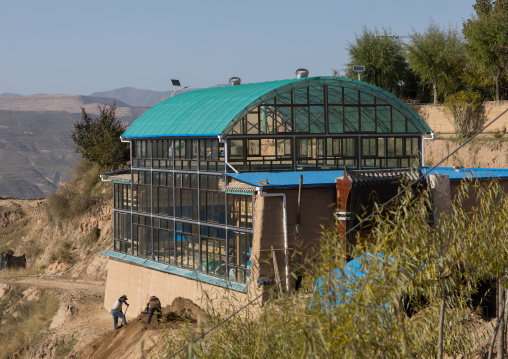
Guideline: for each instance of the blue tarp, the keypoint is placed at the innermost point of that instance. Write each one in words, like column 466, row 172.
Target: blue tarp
column 342, row 282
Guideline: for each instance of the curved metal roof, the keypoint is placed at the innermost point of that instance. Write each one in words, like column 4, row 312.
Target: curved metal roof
column 213, row 111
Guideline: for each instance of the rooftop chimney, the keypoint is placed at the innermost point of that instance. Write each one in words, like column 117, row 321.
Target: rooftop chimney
column 234, row 81
column 302, row 73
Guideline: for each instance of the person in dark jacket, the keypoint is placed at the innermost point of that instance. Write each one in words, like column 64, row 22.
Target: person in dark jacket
column 154, row 305
column 117, row 311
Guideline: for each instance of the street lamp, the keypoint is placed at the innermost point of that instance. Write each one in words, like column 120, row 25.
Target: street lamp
column 176, row 83
column 359, row 69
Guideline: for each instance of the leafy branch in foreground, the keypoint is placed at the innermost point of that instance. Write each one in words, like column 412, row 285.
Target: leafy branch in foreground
column 408, row 263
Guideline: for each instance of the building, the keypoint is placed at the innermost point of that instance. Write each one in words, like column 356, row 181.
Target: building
column 222, row 178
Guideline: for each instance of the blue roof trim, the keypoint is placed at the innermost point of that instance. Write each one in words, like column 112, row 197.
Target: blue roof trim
column 288, row 179
column 143, row 262
column 468, row 173
column 327, row 178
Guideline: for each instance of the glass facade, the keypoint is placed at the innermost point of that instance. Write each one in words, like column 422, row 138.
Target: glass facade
column 321, row 128
column 176, row 209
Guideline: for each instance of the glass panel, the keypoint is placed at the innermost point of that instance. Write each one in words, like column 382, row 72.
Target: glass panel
column 284, row 123
column 284, row 147
column 383, row 119
column 267, row 119
column 300, row 96
column 366, row 99
column 317, row 95
column 301, row 119
column 317, row 119
column 236, row 148
column 351, row 119
column 369, row 146
column 334, row 95
column 381, row 150
column 390, row 147
column 411, row 128
column 252, row 123
column 399, row 146
column 350, row 96
column 349, row 147
column 284, row 98
column 335, row 119
column 253, row 147
column 368, row 119
column 399, row 122
column 237, row 128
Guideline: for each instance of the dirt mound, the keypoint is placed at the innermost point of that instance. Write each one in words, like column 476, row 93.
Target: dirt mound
column 141, row 339
column 186, row 308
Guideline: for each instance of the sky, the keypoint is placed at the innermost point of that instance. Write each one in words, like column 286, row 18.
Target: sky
column 80, row 47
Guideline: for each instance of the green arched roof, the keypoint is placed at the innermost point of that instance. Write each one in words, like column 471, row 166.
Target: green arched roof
column 213, row 111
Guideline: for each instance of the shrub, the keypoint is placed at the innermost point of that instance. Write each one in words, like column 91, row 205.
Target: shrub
column 79, row 195
column 62, row 253
column 91, row 238
column 98, row 139
column 467, row 111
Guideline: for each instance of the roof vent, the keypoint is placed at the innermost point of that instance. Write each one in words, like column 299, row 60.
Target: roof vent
column 234, row 81
column 302, row 73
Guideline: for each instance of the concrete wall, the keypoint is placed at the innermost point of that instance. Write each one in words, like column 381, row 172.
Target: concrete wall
column 316, row 214
column 139, row 283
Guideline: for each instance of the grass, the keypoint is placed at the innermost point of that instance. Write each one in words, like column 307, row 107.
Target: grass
column 65, row 349
column 91, row 238
column 81, row 194
column 62, row 253
column 24, row 321
column 19, row 272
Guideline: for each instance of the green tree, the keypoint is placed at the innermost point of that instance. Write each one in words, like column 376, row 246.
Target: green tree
column 98, row 139
column 383, row 58
column 467, row 111
column 487, row 39
column 436, row 56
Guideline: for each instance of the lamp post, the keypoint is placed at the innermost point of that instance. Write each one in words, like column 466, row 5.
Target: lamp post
column 359, row 69
column 176, row 83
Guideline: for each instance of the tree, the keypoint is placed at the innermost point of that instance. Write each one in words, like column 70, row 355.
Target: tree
column 487, row 39
column 383, row 58
column 467, row 111
column 436, row 55
column 98, row 139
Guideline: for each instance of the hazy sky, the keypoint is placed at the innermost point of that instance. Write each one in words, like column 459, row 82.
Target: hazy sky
column 79, row 47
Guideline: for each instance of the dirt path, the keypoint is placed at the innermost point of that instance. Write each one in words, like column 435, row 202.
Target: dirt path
column 81, row 317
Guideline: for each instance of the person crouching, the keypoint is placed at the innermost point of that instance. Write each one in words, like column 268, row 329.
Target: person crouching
column 154, row 305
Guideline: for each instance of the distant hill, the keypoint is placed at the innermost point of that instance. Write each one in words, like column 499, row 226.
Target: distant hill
column 9, row 94
column 36, row 152
column 137, row 97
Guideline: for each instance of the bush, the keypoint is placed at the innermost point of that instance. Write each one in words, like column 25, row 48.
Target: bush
column 98, row 139
column 62, row 253
column 467, row 111
column 81, row 194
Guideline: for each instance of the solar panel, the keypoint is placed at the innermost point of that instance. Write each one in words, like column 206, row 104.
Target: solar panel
column 359, row 68
column 175, row 82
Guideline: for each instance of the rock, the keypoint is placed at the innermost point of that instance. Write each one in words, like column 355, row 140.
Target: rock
column 64, row 314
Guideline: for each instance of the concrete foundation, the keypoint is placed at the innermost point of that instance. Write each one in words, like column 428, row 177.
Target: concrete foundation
column 139, row 283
